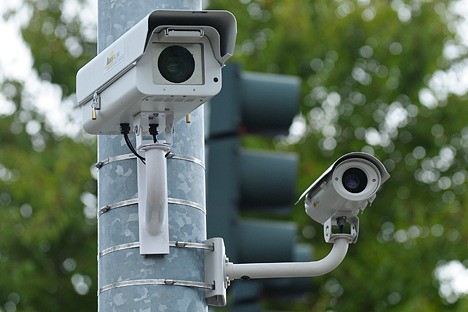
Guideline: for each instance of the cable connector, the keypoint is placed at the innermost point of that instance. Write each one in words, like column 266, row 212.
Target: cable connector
column 124, row 128
column 153, row 130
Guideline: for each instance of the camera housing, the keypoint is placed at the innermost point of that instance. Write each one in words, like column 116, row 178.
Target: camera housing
column 170, row 62
column 345, row 188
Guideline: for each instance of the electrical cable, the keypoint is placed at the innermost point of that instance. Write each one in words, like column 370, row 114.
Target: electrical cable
column 130, row 146
column 125, row 130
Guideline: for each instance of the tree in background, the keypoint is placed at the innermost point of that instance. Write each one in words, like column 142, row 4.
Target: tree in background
column 48, row 240
column 377, row 77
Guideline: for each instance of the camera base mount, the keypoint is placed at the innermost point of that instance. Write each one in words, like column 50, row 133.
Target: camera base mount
column 340, row 223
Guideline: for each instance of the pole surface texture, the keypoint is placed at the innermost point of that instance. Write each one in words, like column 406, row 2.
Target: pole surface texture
column 128, row 281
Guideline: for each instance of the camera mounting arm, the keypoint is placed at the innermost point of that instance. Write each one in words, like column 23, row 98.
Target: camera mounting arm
column 152, row 180
column 220, row 272
column 291, row 269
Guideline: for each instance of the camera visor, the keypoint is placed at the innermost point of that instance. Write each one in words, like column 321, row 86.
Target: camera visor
column 176, row 64
column 354, row 180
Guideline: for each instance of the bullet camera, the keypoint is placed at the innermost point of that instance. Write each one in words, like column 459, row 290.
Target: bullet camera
column 170, row 62
column 343, row 190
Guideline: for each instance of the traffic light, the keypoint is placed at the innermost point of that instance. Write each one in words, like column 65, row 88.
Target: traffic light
column 240, row 180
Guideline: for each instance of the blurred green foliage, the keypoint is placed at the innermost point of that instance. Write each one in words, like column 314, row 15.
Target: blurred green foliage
column 371, row 82
column 47, row 244
column 47, row 191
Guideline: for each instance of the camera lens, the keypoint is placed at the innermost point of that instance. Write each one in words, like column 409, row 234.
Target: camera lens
column 354, row 180
column 176, row 64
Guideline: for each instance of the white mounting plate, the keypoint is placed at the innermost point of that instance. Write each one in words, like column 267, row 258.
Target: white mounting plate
column 214, row 272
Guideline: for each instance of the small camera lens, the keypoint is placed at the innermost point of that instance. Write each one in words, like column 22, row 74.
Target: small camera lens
column 176, row 64
column 354, row 180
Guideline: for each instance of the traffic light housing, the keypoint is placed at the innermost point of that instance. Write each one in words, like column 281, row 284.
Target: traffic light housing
column 240, row 180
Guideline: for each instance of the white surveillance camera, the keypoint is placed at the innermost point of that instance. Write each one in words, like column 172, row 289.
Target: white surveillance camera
column 345, row 189
column 170, row 62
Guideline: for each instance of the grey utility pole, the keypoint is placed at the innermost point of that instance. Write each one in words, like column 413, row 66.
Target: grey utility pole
column 128, row 281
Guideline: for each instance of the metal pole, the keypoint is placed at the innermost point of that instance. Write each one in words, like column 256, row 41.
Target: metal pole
column 128, row 281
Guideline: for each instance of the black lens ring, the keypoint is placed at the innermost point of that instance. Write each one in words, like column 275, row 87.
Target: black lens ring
column 354, row 180
column 176, row 64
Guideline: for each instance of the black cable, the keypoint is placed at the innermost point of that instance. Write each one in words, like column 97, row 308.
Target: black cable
column 125, row 130
column 130, row 146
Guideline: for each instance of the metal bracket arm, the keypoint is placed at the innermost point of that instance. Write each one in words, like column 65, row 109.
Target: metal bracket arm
column 291, row 269
column 152, row 181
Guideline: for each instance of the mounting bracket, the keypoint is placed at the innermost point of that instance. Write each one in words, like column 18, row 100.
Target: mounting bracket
column 152, row 180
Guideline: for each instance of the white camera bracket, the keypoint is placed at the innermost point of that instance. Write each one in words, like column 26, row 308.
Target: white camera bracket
column 152, row 179
column 219, row 272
